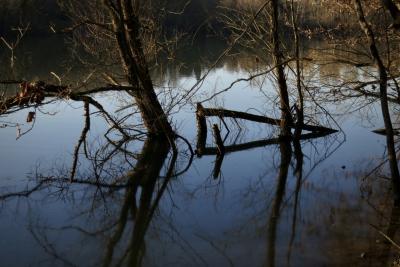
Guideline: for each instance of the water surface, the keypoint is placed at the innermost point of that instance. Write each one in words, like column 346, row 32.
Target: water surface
column 256, row 212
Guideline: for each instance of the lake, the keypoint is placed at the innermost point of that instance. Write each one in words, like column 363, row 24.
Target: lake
column 325, row 201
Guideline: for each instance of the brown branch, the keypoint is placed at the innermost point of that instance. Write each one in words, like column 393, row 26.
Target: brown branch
column 35, row 92
column 213, row 112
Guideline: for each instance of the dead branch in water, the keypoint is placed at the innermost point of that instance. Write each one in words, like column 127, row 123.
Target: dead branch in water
column 213, row 112
column 202, row 113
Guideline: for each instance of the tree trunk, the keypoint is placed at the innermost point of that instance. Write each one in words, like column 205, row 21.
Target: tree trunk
column 286, row 117
column 126, row 25
column 300, row 107
column 383, row 98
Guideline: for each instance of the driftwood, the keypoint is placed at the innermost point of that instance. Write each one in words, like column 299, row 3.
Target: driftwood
column 202, row 113
column 220, row 149
column 213, row 112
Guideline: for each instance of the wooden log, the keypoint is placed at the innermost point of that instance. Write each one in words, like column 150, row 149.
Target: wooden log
column 201, row 130
column 213, row 112
column 210, row 112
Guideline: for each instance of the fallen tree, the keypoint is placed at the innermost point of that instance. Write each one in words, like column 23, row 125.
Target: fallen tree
column 221, row 113
column 202, row 113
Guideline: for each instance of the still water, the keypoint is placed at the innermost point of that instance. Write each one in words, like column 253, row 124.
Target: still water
column 257, row 211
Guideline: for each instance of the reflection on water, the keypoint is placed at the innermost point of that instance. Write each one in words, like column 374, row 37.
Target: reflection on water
column 144, row 201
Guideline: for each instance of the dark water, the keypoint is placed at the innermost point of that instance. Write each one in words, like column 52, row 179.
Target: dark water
column 257, row 212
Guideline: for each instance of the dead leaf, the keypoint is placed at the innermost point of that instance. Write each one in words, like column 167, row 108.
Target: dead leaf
column 31, row 117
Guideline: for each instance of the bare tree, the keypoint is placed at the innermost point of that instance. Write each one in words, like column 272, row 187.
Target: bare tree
column 286, row 117
column 383, row 80
column 126, row 29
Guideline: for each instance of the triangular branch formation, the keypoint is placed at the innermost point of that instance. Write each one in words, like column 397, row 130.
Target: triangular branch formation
column 220, row 149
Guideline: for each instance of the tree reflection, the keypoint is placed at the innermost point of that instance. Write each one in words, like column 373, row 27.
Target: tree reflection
column 145, row 174
column 130, row 172
column 134, row 184
column 299, row 176
column 142, row 188
column 286, row 154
